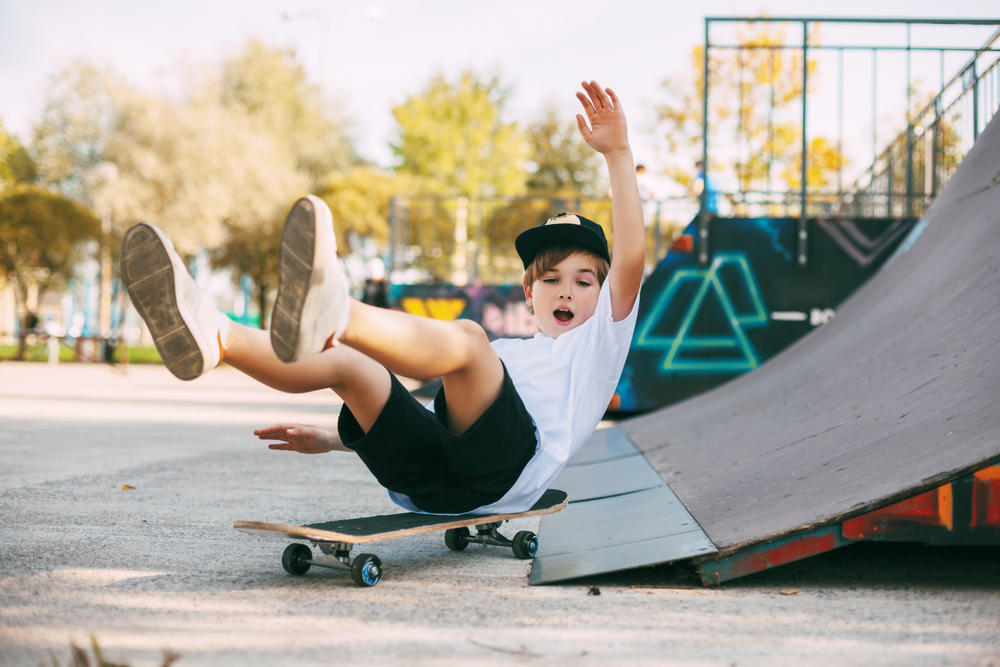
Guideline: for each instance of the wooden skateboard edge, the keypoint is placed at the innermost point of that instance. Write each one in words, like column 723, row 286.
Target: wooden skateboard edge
column 283, row 531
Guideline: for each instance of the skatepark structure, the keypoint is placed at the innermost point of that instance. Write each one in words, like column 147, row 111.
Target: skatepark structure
column 751, row 278
column 887, row 416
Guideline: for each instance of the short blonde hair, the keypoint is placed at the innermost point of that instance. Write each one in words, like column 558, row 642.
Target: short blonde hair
column 551, row 256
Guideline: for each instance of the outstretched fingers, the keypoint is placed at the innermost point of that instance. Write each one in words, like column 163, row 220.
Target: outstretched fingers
column 600, row 97
column 614, row 99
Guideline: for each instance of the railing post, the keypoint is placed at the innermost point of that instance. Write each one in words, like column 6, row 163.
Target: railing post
column 975, row 99
column 909, row 170
column 934, row 145
column 657, row 234
column 393, row 223
column 703, row 217
column 803, row 222
column 889, row 211
column 909, row 131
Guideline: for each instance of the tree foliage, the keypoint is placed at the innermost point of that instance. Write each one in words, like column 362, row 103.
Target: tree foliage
column 455, row 135
column 562, row 162
column 751, row 94
column 44, row 235
column 80, row 115
column 16, row 165
column 269, row 85
column 218, row 167
column 359, row 200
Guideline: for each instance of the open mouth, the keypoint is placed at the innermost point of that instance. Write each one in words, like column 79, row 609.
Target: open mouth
column 563, row 315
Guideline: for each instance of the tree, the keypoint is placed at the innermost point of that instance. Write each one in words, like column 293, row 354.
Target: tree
column 16, row 165
column 454, row 135
column 81, row 112
column 43, row 237
column 269, row 86
column 289, row 146
column 207, row 172
column 751, row 91
column 562, row 162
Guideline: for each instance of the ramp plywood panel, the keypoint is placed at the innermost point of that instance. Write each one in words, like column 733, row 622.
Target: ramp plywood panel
column 610, row 534
column 898, row 393
column 608, row 478
column 605, row 445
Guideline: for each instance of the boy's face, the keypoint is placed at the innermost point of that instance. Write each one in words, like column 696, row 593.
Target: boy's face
column 565, row 296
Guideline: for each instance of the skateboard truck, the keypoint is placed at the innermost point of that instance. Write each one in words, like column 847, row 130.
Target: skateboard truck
column 524, row 545
column 366, row 569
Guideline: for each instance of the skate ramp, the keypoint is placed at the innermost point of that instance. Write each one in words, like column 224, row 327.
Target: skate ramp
column 899, row 393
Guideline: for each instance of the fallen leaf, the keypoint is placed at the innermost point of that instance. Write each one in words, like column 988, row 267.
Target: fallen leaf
column 789, row 591
column 902, row 415
column 126, row 487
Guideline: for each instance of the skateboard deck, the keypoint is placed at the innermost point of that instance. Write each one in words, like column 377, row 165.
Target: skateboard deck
column 336, row 538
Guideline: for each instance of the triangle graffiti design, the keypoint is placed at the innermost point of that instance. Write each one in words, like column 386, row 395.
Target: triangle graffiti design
column 856, row 243
column 684, row 342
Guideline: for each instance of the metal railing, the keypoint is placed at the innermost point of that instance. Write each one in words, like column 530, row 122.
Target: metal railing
column 907, row 176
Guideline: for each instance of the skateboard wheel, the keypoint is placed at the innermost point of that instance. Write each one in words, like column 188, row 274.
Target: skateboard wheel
column 525, row 545
column 456, row 539
column 297, row 559
column 366, row 570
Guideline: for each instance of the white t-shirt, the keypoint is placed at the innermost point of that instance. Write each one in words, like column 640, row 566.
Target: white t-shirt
column 565, row 384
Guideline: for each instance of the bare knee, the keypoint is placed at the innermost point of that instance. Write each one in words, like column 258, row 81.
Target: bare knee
column 474, row 334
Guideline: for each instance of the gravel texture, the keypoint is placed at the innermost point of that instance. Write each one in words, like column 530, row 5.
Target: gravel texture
column 160, row 567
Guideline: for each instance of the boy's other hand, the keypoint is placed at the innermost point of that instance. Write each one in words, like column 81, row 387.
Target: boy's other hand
column 607, row 131
column 301, row 438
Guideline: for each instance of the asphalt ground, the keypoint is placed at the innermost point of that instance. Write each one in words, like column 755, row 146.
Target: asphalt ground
column 159, row 567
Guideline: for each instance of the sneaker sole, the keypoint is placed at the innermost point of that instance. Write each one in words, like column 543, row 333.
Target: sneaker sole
column 295, row 267
column 149, row 278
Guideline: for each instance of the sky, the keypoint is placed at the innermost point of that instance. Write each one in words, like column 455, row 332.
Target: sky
column 367, row 55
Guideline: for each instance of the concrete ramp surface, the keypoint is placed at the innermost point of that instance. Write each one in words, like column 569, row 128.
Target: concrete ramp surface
column 896, row 395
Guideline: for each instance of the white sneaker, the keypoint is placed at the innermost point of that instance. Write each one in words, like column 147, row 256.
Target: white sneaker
column 184, row 322
column 313, row 303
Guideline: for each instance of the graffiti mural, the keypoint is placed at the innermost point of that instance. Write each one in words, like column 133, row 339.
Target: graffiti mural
column 500, row 309
column 700, row 326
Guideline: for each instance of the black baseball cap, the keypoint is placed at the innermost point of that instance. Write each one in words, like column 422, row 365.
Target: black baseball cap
column 562, row 228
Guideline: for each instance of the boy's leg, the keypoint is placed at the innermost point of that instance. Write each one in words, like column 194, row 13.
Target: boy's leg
column 312, row 307
column 192, row 336
column 421, row 348
column 361, row 382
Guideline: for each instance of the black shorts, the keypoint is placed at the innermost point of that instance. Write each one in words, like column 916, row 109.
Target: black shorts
column 411, row 451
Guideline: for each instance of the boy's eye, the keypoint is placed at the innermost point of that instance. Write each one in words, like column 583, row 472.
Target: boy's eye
column 549, row 280
column 583, row 283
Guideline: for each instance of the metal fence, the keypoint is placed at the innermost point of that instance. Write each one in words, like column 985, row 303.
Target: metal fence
column 906, row 177
column 463, row 241
column 912, row 168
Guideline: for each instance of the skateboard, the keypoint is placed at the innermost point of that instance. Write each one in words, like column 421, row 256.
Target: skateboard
column 335, row 539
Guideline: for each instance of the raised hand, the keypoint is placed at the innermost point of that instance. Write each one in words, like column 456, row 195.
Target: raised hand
column 607, row 131
column 301, row 438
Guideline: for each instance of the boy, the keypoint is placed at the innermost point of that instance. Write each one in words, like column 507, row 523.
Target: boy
column 510, row 414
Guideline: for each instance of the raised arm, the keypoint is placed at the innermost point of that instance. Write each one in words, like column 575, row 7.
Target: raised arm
column 605, row 131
